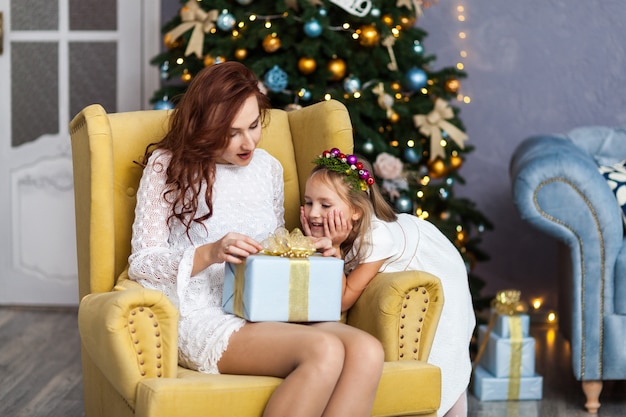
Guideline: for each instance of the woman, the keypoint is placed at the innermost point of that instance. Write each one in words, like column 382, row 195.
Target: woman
column 209, row 196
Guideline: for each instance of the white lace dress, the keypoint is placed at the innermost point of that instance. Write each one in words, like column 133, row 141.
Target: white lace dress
column 414, row 244
column 247, row 200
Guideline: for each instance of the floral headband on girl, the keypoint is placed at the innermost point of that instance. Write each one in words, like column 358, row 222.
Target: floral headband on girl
column 348, row 165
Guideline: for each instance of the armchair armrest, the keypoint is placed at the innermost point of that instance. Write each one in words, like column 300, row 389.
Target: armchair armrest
column 402, row 310
column 130, row 334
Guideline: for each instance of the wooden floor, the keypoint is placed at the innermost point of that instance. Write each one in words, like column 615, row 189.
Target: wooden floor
column 40, row 373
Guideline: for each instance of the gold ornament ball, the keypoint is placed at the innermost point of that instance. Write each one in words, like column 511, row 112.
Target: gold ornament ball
column 407, row 22
column 388, row 20
column 209, row 60
column 171, row 43
column 307, row 65
column 241, row 54
column 337, row 68
column 452, row 85
column 394, row 117
column 368, row 35
column 186, row 77
column 456, row 161
column 437, row 168
column 271, row 43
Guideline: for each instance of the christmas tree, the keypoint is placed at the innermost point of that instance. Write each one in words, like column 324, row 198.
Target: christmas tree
column 367, row 54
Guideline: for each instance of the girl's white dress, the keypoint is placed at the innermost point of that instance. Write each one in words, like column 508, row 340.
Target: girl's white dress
column 247, row 200
column 411, row 243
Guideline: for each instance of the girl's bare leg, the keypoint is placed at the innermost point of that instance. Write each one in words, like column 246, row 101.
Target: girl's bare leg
column 459, row 409
column 310, row 359
column 363, row 365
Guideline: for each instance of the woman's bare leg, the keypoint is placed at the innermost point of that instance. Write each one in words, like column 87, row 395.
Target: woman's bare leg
column 310, row 359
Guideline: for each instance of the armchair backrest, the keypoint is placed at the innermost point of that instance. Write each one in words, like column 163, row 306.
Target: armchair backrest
column 105, row 146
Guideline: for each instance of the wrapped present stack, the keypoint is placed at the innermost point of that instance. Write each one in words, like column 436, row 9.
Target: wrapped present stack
column 504, row 367
column 287, row 282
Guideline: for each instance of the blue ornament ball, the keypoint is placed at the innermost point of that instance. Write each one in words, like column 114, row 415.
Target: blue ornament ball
column 416, row 79
column 163, row 104
column 322, row 12
column 225, row 21
column 368, row 147
column 418, row 48
column 313, row 28
column 163, row 70
column 352, row 84
column 404, row 204
column 411, row 155
column 276, row 79
column 375, row 12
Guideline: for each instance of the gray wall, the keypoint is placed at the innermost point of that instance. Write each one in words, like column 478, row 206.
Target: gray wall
column 533, row 67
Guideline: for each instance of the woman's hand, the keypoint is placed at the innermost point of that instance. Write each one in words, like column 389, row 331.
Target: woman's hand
column 233, row 248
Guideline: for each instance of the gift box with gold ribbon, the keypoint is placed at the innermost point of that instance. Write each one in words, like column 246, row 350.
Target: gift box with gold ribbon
column 285, row 283
column 504, row 367
column 489, row 388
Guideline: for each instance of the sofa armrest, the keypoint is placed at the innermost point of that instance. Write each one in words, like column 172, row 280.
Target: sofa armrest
column 557, row 188
column 402, row 310
column 130, row 334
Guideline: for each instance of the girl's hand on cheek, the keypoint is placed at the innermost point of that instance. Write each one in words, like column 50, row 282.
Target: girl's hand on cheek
column 306, row 228
column 337, row 227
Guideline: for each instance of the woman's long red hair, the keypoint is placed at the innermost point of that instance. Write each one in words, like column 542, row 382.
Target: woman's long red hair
column 199, row 132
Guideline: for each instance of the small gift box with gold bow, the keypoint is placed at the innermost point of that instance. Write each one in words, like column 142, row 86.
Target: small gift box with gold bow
column 288, row 283
column 505, row 362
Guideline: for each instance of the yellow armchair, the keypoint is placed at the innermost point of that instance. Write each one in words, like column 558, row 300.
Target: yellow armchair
column 129, row 333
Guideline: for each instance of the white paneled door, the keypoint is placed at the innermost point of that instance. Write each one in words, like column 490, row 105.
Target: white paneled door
column 57, row 57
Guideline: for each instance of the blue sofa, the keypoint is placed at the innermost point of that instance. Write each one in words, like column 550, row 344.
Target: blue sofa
column 558, row 189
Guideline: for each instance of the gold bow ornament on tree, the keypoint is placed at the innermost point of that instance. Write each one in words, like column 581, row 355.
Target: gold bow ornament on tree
column 193, row 16
column 434, row 122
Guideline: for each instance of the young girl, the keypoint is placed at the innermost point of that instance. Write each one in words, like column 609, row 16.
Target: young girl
column 343, row 203
column 209, row 196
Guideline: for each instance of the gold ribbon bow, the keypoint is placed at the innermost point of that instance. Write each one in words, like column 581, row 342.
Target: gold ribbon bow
column 411, row 4
column 432, row 124
column 288, row 245
column 193, row 16
column 385, row 101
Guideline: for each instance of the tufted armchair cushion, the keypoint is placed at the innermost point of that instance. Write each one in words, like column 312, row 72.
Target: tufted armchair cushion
column 558, row 189
column 129, row 333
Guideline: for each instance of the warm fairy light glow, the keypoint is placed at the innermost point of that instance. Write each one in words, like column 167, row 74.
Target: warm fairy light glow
column 410, row 143
column 462, row 35
column 268, row 24
column 463, row 54
column 420, row 194
column 327, row 97
column 357, row 95
column 425, row 180
column 443, row 143
column 460, row 8
column 460, row 66
column 467, row 99
column 180, row 61
column 551, row 317
column 459, row 228
column 536, row 303
column 394, row 143
column 461, row 18
column 252, row 17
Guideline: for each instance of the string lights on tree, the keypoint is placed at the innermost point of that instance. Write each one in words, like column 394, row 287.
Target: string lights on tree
column 368, row 55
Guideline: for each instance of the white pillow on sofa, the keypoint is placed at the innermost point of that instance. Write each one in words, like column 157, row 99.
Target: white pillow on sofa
column 615, row 176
